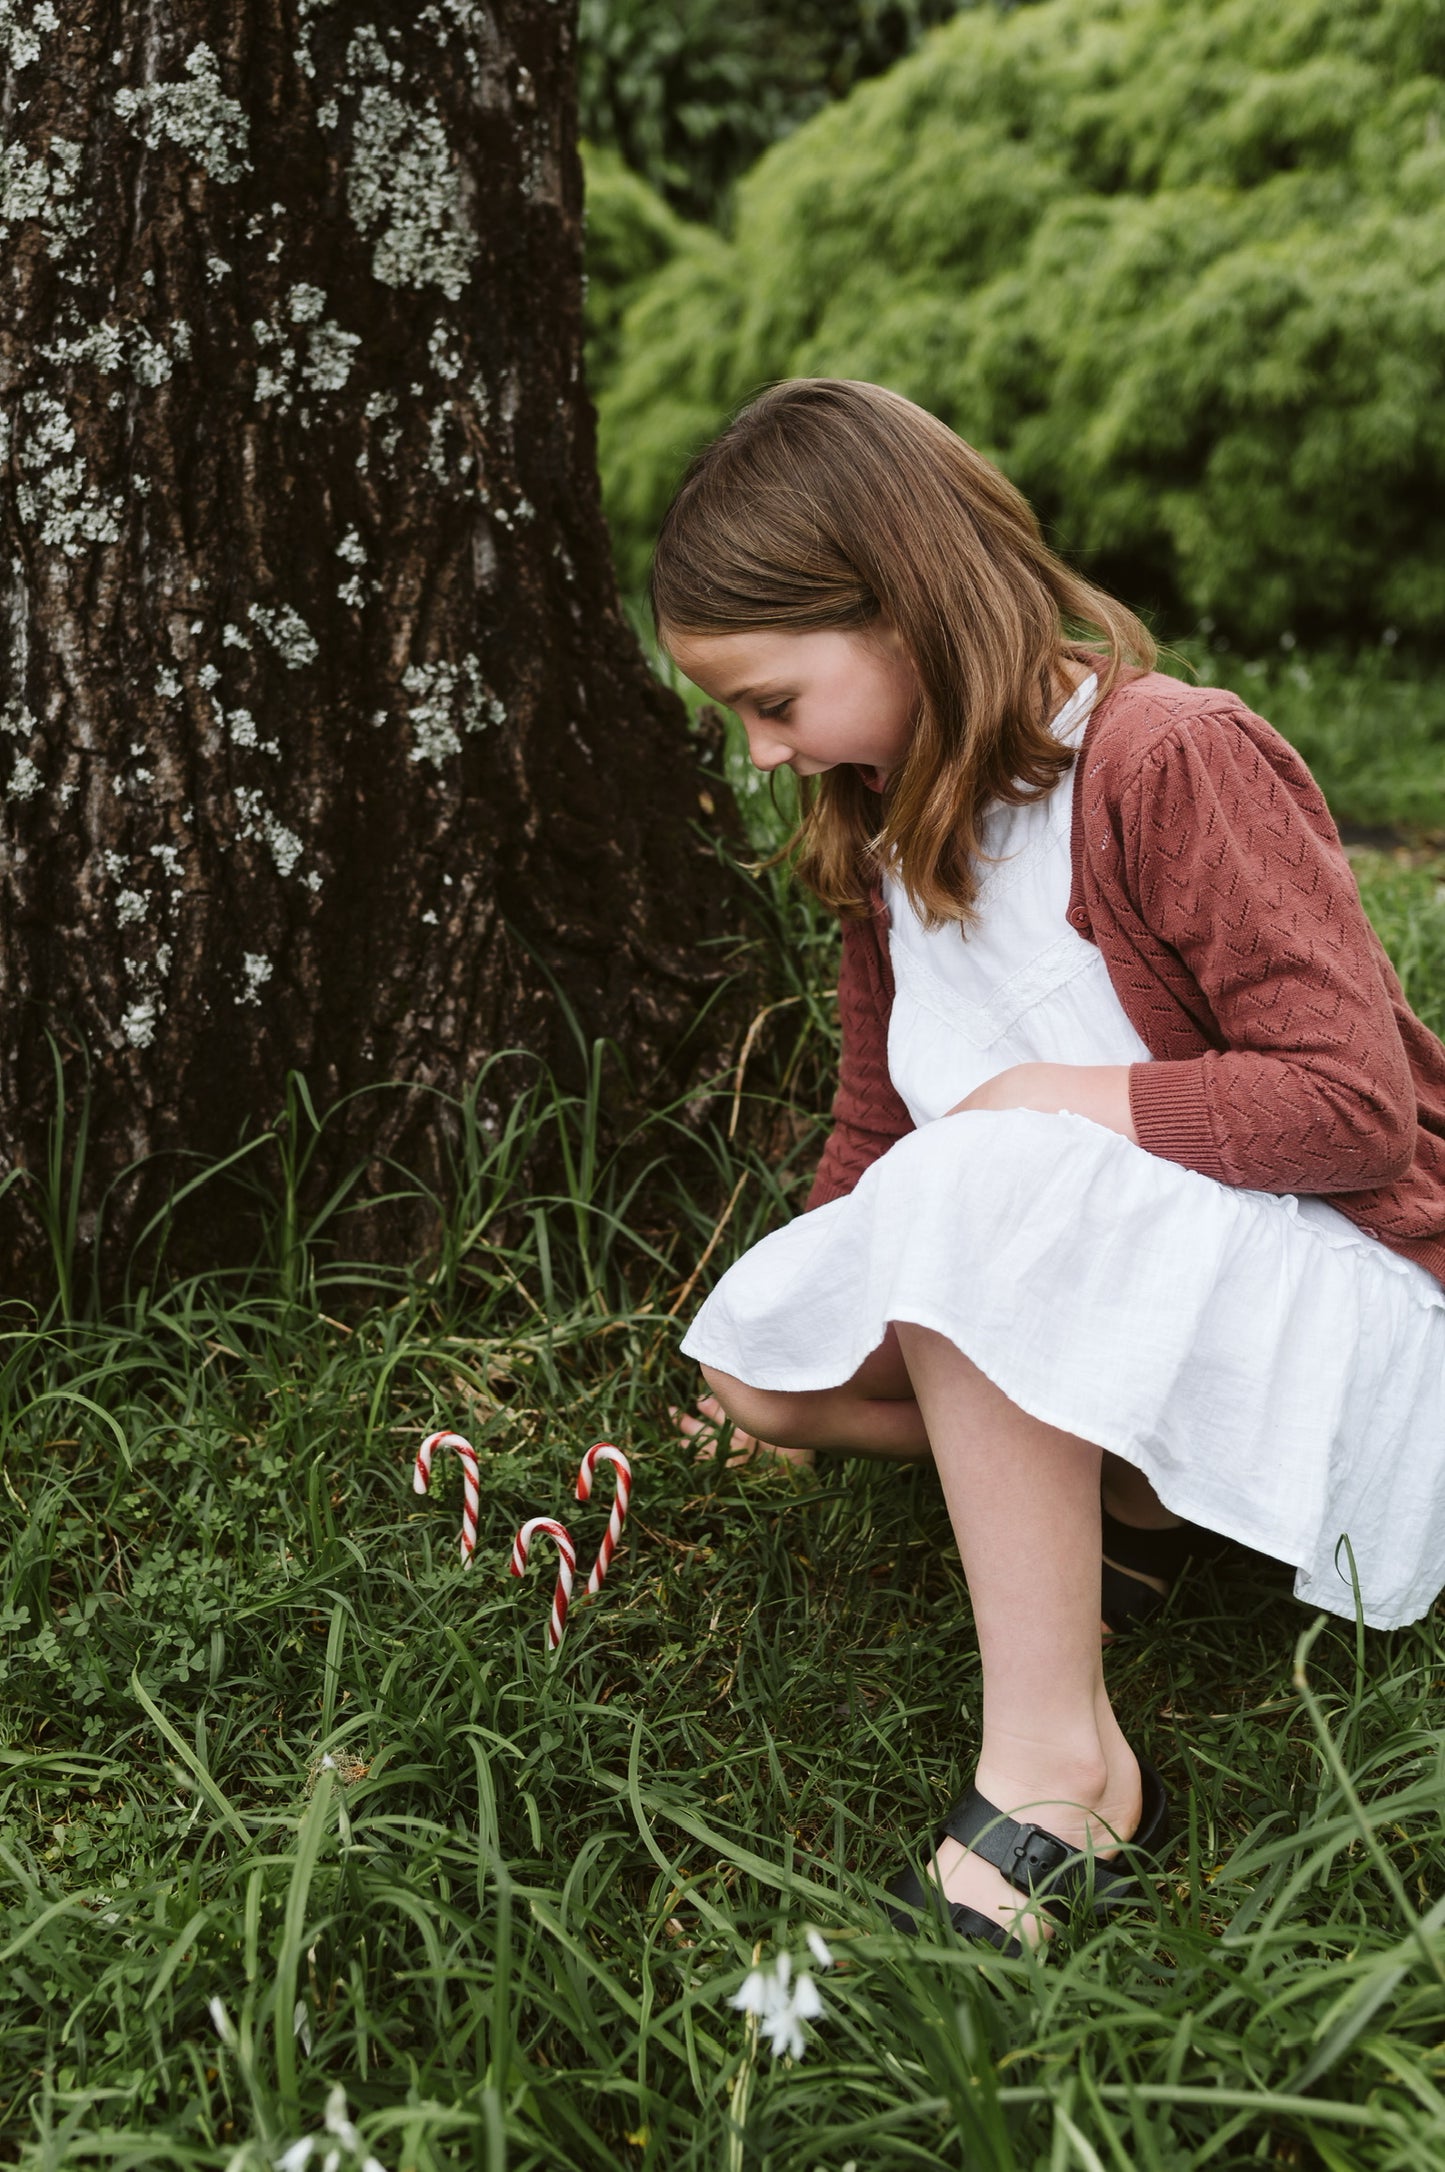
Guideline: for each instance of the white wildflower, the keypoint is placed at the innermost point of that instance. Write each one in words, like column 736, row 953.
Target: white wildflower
column 780, row 2005
column 342, row 2130
column 224, row 2026
column 818, row 1947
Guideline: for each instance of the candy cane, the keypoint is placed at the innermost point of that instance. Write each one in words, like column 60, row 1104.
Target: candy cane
column 471, row 1483
column 586, row 1477
column 566, row 1564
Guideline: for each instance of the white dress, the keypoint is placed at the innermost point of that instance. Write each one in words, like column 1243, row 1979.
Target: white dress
column 1278, row 1375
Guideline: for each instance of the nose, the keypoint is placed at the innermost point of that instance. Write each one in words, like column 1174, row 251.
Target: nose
column 764, row 751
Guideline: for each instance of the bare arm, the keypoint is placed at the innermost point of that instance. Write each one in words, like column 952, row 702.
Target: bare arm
column 1099, row 1091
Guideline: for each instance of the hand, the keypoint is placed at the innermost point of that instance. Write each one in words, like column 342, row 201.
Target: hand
column 1099, row 1091
column 713, row 1426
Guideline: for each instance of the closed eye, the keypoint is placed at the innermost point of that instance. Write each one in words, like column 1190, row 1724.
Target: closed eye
column 781, row 710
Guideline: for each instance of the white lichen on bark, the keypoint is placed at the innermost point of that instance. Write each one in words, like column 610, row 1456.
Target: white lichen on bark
column 288, row 634
column 261, row 823
column 196, row 114
column 53, row 494
column 256, row 969
column 449, row 699
column 23, row 31
column 43, row 188
column 403, row 185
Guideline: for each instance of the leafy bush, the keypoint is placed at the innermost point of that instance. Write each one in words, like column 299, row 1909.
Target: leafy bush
column 689, row 92
column 1179, row 265
column 631, row 234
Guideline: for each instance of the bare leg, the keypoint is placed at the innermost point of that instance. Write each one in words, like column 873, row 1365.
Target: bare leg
column 1024, row 1502
column 873, row 1414
column 1129, row 1496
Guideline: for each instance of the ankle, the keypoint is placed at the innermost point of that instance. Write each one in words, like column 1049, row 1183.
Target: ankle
column 1022, row 1779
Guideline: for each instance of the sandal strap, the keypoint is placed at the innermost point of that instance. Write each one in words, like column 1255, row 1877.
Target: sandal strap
column 1036, row 1861
column 910, row 1898
column 1030, row 1858
column 1125, row 1600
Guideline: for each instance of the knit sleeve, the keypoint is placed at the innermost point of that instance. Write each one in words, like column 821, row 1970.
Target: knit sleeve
column 867, row 1112
column 1238, row 868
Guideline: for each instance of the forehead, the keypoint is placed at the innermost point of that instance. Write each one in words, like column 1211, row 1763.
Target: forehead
column 731, row 660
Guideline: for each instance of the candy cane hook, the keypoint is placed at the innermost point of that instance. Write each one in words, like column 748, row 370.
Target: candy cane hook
column 586, row 1478
column 471, row 1483
column 566, row 1565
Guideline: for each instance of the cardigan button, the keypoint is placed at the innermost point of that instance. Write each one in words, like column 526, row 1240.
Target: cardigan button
column 1079, row 917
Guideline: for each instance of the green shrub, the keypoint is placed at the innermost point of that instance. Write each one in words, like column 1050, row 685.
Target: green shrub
column 631, row 234
column 689, row 92
column 1179, row 265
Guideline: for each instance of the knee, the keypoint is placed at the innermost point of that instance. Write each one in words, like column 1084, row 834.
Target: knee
column 777, row 1417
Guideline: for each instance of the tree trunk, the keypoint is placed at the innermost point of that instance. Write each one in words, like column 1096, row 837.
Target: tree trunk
column 326, row 741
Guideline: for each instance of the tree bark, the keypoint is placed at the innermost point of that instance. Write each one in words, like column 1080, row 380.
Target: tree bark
column 325, row 740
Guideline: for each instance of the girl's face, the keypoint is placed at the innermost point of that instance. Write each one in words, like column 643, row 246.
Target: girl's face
column 810, row 700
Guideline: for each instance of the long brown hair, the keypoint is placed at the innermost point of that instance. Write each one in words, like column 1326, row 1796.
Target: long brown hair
column 832, row 504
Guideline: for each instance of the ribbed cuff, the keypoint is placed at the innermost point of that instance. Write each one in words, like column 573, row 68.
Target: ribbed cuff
column 1171, row 1115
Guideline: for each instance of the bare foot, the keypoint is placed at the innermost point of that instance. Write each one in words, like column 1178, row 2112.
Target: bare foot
column 713, row 1426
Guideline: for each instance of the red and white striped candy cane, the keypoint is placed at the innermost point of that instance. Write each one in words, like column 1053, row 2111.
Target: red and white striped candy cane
column 566, row 1565
column 471, row 1483
column 586, row 1478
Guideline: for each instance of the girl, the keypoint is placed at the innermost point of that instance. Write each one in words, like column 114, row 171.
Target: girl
column 1138, row 1168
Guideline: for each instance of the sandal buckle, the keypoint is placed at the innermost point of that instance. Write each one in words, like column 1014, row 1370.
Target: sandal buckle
column 1034, row 1858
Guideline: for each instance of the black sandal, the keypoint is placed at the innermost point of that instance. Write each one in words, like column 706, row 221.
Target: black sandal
column 1164, row 1551
column 1035, row 1863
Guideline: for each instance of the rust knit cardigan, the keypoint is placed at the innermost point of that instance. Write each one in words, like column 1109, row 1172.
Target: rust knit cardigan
column 1208, row 871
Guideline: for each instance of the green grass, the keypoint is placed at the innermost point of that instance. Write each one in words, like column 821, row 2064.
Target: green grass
column 1371, row 727
column 508, row 1919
